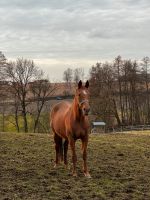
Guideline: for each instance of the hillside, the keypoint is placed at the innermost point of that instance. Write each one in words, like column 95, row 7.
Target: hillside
column 119, row 165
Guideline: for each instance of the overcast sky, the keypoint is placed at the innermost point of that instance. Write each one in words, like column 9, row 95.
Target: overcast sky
column 58, row 34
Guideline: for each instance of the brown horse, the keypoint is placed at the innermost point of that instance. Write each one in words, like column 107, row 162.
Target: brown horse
column 69, row 121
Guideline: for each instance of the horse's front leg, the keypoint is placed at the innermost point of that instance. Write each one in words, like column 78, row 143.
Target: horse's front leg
column 74, row 156
column 84, row 151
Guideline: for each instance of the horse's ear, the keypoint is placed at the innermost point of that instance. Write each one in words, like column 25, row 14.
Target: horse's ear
column 87, row 84
column 79, row 84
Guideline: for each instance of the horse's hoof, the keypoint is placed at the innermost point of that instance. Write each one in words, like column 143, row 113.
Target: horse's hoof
column 87, row 175
column 55, row 166
column 74, row 175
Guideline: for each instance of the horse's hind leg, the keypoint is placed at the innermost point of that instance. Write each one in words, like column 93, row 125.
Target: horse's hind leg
column 58, row 149
column 65, row 152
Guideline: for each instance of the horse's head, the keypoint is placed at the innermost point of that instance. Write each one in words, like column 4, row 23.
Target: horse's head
column 82, row 96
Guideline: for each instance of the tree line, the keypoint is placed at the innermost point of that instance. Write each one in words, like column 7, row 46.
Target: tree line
column 120, row 91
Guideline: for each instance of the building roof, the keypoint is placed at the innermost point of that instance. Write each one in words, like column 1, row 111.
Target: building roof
column 99, row 123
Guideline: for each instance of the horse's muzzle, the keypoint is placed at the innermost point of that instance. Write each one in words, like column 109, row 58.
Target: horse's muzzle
column 86, row 111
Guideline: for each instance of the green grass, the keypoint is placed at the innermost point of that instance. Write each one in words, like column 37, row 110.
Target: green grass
column 10, row 124
column 119, row 165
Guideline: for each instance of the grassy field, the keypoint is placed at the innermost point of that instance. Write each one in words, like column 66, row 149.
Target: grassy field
column 10, row 124
column 119, row 165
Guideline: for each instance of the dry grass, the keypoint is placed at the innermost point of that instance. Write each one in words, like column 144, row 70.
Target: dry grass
column 119, row 165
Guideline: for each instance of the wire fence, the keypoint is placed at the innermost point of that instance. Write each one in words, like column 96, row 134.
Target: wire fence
column 131, row 128
column 122, row 129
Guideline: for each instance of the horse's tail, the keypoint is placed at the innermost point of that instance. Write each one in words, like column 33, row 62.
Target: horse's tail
column 61, row 150
column 51, row 117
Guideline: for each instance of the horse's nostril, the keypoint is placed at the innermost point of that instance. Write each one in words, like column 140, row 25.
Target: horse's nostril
column 87, row 110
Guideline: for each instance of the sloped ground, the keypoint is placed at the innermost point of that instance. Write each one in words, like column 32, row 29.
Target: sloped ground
column 119, row 165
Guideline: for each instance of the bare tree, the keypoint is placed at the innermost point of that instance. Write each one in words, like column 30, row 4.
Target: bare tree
column 146, row 79
column 118, row 64
column 3, row 92
column 3, row 63
column 67, row 77
column 134, row 102
column 16, row 106
column 103, row 88
column 20, row 73
column 78, row 74
column 41, row 90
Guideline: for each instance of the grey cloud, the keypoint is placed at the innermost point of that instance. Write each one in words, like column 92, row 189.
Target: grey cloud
column 55, row 4
column 69, row 29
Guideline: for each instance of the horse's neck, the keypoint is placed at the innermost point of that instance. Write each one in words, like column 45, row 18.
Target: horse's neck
column 76, row 112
